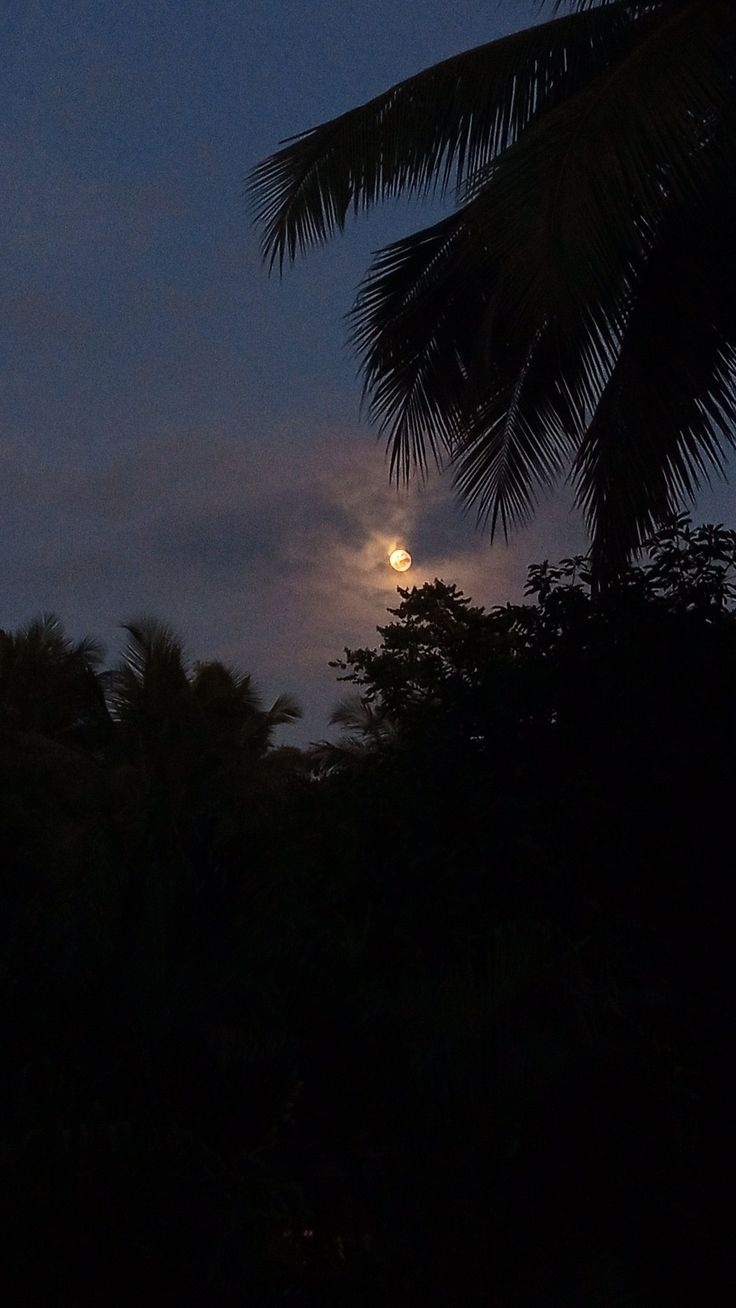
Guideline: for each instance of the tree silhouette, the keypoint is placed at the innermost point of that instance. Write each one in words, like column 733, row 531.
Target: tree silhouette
column 154, row 692
column 365, row 730
column 540, row 868
column 186, row 733
column 48, row 684
column 440, row 1014
column 444, row 663
column 576, row 308
column 139, row 1016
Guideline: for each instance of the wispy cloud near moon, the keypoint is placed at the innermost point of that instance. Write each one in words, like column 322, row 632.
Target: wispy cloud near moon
column 267, row 549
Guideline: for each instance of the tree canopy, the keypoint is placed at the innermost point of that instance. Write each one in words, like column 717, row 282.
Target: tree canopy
column 438, row 1012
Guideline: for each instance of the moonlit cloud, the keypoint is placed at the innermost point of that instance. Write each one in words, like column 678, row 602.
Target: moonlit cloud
column 268, row 551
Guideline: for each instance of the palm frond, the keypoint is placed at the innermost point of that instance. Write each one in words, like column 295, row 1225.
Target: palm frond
column 152, row 675
column 224, row 690
column 151, row 642
column 91, row 651
column 494, row 333
column 364, row 721
column 572, row 209
column 664, row 424
column 415, row 324
column 517, row 442
column 354, row 714
column 42, row 628
column 503, row 334
column 367, row 731
column 578, row 6
column 433, row 130
column 46, row 633
column 284, row 709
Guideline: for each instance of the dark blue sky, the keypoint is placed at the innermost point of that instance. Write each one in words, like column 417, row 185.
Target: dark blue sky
column 180, row 434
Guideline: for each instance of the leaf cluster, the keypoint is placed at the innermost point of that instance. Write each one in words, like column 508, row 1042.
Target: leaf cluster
column 574, row 312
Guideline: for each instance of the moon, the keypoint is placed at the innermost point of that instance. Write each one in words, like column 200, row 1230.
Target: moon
column 400, row 560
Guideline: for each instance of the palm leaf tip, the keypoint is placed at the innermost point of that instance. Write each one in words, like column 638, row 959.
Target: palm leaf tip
column 433, row 131
column 284, row 710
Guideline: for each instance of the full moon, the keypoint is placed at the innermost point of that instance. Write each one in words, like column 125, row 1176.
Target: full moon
column 400, row 560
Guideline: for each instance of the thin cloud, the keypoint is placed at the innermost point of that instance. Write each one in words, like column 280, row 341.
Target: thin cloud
column 270, row 551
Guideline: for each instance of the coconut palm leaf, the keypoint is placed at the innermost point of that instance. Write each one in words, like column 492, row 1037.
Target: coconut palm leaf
column 49, row 683
column 511, row 337
column 415, row 323
column 493, row 333
column 367, row 731
column 571, row 212
column 224, row 692
column 661, row 428
column 445, row 373
column 151, row 682
column 283, row 710
column 515, row 443
column 46, row 634
column 433, row 130
column 153, row 642
column 576, row 203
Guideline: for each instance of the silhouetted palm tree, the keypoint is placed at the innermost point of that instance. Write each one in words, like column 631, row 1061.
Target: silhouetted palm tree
column 577, row 308
column 183, row 729
column 233, row 710
column 49, row 684
column 156, row 694
column 367, row 730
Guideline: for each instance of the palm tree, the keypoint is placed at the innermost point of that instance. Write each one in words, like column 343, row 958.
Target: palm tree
column 576, row 310
column 232, row 708
column 368, row 732
column 156, row 695
column 49, row 685
column 192, row 781
column 184, row 728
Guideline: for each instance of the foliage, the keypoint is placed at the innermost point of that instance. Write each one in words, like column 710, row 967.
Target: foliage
column 449, row 663
column 575, row 310
column 48, row 684
column 438, row 1015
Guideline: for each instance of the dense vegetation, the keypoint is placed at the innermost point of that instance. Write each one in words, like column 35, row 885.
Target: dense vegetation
column 437, row 1014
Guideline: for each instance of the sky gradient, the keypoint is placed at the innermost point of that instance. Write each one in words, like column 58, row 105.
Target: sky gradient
column 180, row 433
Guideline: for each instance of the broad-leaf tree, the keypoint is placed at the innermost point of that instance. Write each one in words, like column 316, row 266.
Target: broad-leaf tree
column 593, row 675
column 576, row 310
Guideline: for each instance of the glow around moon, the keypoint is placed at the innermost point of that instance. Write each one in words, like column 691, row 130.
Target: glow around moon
column 400, row 560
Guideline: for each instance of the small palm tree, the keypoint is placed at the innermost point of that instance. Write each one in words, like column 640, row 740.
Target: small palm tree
column 368, row 732
column 174, row 717
column 191, row 772
column 576, row 310
column 49, row 684
column 228, row 701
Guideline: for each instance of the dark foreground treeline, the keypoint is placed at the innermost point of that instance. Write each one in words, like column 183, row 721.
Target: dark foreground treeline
column 441, row 1015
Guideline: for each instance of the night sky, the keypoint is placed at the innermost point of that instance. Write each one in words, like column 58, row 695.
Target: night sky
column 180, row 433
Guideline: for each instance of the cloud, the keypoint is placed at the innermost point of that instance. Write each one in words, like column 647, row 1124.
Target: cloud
column 267, row 549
